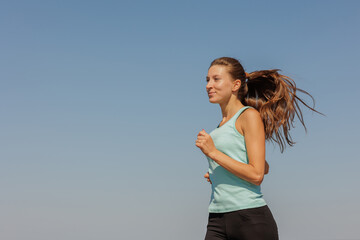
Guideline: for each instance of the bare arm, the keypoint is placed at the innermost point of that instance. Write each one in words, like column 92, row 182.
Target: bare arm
column 207, row 176
column 254, row 134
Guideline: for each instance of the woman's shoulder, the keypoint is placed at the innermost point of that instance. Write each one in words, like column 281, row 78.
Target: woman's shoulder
column 250, row 113
column 249, row 118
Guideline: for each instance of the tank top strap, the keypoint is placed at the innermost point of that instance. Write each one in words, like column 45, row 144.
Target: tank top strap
column 239, row 112
column 233, row 118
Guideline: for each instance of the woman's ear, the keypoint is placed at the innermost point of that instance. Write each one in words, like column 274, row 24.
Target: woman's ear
column 236, row 85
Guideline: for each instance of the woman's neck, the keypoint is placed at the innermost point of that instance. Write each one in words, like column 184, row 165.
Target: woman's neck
column 230, row 109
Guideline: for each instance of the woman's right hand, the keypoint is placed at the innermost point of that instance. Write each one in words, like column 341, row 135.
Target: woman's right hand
column 207, row 176
column 266, row 167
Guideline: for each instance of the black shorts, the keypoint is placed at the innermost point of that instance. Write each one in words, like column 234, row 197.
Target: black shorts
column 247, row 224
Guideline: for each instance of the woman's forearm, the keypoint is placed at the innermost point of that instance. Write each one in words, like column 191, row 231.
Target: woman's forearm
column 239, row 169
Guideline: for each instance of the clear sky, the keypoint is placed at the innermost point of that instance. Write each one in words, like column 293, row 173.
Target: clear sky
column 101, row 103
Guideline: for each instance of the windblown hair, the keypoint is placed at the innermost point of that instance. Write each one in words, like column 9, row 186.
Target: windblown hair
column 273, row 95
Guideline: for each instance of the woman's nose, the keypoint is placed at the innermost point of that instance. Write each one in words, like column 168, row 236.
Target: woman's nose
column 208, row 85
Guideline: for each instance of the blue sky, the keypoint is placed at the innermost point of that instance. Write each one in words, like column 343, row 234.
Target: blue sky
column 101, row 102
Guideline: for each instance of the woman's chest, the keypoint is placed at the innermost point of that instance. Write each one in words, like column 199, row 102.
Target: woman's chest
column 227, row 141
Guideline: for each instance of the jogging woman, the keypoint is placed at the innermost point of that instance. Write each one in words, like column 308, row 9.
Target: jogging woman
column 255, row 107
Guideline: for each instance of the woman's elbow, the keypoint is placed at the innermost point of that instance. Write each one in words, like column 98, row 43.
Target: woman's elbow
column 258, row 180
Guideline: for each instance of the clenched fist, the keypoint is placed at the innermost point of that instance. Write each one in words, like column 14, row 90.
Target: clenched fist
column 205, row 143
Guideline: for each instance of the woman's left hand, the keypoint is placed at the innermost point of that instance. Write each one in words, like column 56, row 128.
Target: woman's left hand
column 205, row 143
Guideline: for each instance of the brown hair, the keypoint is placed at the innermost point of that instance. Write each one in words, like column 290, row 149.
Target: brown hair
column 273, row 95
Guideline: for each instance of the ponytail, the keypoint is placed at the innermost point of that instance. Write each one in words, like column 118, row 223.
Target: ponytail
column 273, row 95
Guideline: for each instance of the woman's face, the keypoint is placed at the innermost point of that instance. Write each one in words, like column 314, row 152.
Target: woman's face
column 219, row 84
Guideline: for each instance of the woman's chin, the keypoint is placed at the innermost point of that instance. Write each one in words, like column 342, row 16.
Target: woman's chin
column 212, row 100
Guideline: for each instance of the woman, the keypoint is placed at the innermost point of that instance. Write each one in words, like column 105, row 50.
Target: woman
column 255, row 108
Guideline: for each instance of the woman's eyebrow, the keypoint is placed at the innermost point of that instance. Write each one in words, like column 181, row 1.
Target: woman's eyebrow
column 214, row 76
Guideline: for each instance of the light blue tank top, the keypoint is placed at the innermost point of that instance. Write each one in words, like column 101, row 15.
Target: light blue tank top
column 229, row 192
